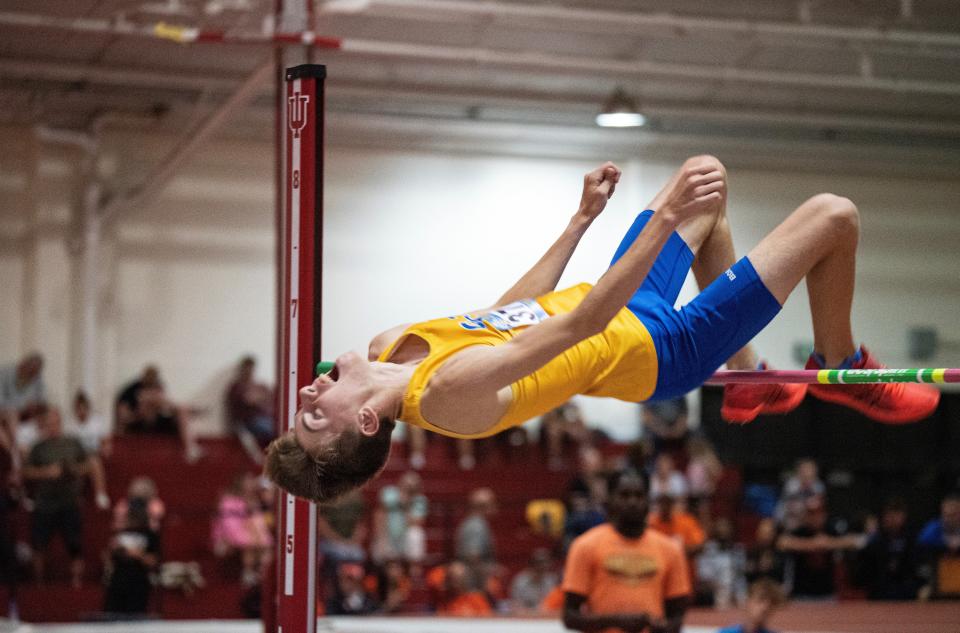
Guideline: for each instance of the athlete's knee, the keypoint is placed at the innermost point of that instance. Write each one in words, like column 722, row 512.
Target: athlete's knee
column 840, row 213
column 705, row 160
column 712, row 163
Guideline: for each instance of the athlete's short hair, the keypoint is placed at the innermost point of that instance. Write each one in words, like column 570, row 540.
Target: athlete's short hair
column 347, row 463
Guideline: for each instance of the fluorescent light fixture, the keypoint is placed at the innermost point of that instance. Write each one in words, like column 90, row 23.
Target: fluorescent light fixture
column 620, row 111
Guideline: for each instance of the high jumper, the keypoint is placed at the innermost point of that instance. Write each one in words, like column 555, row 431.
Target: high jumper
column 486, row 370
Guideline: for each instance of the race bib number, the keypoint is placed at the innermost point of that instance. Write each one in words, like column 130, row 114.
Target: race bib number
column 518, row 314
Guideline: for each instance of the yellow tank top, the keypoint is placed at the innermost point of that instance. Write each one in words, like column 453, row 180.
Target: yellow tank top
column 620, row 362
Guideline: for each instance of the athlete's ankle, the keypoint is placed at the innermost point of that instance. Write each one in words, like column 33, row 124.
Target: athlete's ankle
column 844, row 363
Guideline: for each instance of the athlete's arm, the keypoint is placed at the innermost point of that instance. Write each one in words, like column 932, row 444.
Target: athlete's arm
column 598, row 187
column 575, row 618
column 478, row 371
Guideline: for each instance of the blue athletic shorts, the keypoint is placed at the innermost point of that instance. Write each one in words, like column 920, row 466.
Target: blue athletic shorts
column 692, row 342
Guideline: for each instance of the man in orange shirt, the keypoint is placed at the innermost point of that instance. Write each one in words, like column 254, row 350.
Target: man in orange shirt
column 671, row 520
column 622, row 577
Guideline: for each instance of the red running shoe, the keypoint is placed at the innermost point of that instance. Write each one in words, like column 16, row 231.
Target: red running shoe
column 890, row 403
column 743, row 403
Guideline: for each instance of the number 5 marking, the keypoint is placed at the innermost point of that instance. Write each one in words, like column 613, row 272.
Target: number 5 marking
column 289, row 543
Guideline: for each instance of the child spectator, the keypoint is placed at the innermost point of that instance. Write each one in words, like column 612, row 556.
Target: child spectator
column 763, row 599
column 134, row 556
column 142, row 491
column 240, row 526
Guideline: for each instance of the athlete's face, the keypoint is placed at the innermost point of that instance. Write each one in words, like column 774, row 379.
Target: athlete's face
column 331, row 404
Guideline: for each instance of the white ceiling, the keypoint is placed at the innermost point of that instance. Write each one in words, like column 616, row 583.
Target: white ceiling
column 877, row 73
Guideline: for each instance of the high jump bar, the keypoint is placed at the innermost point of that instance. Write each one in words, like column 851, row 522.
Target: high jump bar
column 834, row 376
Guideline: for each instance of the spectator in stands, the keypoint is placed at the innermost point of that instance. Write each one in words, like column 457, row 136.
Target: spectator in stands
column 666, row 480
column 475, row 545
column 398, row 521
column 250, row 406
column 942, row 535
column 134, row 555
column 240, row 526
column 92, row 432
column 563, row 430
column 763, row 599
column 764, row 559
column 143, row 407
column 23, row 400
column 703, row 472
column 532, row 585
column 140, row 491
column 666, row 421
column 939, row 544
column 22, row 391
column 814, row 548
column 341, row 532
column 671, row 519
column 90, row 428
column 394, row 586
column 56, row 467
column 459, row 597
column 591, row 478
column 623, row 576
column 350, row 596
column 720, row 568
column 888, row 561
column 9, row 568
column 587, row 495
column 798, row 491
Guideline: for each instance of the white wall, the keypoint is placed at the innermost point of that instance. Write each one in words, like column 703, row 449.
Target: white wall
column 189, row 282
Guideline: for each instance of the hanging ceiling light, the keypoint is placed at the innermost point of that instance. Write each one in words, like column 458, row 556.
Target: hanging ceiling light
column 620, row 111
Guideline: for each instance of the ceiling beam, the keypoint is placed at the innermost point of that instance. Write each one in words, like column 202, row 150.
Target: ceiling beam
column 607, row 22
column 190, row 142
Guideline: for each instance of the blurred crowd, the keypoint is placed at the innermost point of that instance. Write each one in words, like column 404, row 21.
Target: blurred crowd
column 392, row 549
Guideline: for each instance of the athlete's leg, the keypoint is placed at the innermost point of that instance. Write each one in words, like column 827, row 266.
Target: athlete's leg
column 817, row 241
column 709, row 237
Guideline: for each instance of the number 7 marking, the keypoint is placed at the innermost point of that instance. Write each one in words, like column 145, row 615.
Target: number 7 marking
column 293, row 302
